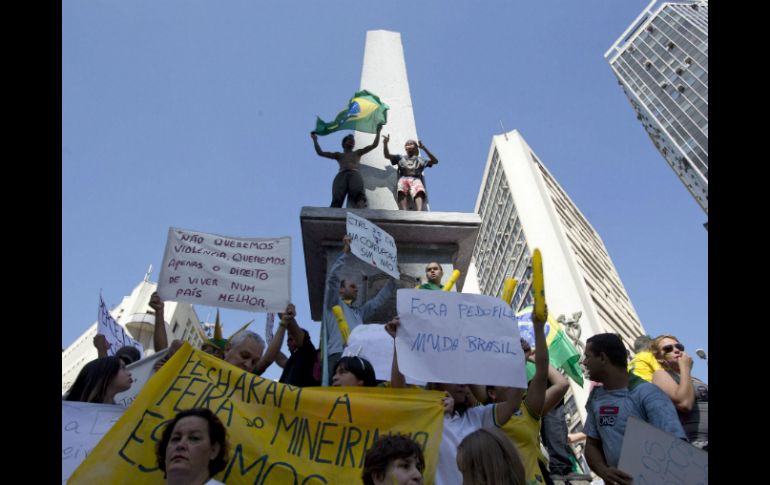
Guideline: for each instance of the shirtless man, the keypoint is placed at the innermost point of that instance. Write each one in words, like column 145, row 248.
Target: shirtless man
column 348, row 181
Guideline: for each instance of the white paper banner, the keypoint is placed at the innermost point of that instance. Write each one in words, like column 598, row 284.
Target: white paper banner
column 82, row 426
column 251, row 274
column 374, row 344
column 651, row 455
column 458, row 338
column 141, row 371
column 372, row 245
column 115, row 334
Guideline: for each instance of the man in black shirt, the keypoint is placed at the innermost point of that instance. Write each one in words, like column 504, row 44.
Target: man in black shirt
column 298, row 369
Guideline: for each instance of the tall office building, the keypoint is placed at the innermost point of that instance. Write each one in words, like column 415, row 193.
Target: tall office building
column 522, row 207
column 661, row 61
column 136, row 316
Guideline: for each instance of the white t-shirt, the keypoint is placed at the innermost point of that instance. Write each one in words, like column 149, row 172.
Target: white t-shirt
column 456, row 429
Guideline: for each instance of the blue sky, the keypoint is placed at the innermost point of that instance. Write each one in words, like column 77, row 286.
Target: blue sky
column 196, row 115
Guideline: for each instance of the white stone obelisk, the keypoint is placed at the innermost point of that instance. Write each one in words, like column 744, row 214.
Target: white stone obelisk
column 384, row 74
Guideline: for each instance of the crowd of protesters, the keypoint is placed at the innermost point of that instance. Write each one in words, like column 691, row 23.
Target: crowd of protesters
column 491, row 435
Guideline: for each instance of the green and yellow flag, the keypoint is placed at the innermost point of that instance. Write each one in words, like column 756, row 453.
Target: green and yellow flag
column 364, row 112
column 561, row 353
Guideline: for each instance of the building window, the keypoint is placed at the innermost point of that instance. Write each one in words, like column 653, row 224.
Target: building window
column 176, row 326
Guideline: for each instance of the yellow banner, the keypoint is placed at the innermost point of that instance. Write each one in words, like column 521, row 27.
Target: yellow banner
column 278, row 434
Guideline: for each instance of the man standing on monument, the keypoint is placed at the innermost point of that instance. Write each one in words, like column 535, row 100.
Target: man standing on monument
column 343, row 293
column 410, row 168
column 348, row 180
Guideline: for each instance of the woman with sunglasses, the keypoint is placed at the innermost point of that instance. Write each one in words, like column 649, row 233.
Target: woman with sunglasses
column 689, row 394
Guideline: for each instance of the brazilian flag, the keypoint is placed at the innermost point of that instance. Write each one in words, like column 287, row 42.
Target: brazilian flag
column 561, row 353
column 364, row 112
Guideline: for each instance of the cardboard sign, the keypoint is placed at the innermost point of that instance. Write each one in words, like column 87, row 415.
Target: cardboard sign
column 251, row 274
column 82, row 426
column 372, row 245
column 653, row 456
column 458, row 338
column 113, row 332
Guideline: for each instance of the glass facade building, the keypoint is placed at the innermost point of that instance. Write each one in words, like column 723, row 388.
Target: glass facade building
column 661, row 62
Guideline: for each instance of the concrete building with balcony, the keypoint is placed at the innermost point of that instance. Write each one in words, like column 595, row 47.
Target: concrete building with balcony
column 138, row 319
column 523, row 207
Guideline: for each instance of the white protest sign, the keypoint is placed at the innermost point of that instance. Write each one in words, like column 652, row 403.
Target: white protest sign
column 653, row 456
column 372, row 245
column 141, row 371
column 251, row 274
column 458, row 338
column 82, row 426
column 373, row 343
column 115, row 335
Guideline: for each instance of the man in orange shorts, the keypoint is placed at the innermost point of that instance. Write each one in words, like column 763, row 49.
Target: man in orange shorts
column 410, row 168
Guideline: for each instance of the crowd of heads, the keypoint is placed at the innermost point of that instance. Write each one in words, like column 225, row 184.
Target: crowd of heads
column 194, row 445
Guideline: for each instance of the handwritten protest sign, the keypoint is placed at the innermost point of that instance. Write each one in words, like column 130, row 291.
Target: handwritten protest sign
column 652, row 456
column 277, row 433
column 82, row 426
column 115, row 335
column 251, row 274
column 458, row 338
column 372, row 245
column 141, row 371
column 374, row 344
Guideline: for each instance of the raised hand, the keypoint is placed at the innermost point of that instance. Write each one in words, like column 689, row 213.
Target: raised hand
column 392, row 326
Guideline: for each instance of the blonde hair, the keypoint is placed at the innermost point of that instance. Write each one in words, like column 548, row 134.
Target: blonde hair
column 487, row 457
column 656, row 350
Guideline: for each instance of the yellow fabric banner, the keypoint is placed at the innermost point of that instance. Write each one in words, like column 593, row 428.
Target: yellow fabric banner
column 278, row 434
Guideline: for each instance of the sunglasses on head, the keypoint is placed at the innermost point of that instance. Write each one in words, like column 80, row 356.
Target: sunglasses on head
column 670, row 348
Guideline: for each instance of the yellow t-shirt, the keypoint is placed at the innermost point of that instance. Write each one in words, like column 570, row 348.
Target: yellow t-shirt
column 644, row 364
column 524, row 431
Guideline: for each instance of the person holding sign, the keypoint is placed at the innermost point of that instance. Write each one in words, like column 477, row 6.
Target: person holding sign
column 460, row 418
column 193, row 448
column 348, row 181
column 609, row 406
column 526, row 423
column 298, row 369
column 410, row 168
column 344, row 293
column 245, row 349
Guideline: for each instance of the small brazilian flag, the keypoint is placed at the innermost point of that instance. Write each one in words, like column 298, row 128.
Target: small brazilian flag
column 364, row 112
column 561, row 353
